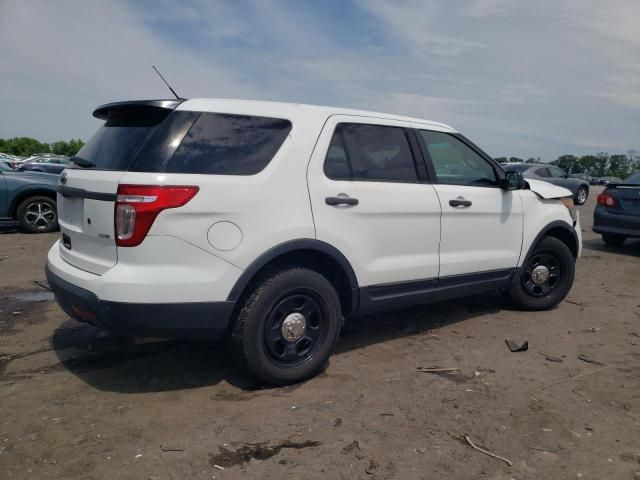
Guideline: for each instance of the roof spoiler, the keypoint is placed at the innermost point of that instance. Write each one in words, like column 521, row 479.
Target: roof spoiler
column 117, row 109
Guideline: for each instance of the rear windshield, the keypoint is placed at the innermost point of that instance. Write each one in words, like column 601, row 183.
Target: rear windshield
column 187, row 142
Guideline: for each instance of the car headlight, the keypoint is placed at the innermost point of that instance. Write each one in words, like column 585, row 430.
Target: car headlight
column 568, row 202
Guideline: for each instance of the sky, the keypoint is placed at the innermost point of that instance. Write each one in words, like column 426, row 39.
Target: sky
column 518, row 77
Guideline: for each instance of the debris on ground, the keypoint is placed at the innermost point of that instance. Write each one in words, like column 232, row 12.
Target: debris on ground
column 588, row 359
column 515, row 346
column 353, row 445
column 487, row 452
column 437, row 369
column 551, row 358
column 571, row 378
column 375, row 470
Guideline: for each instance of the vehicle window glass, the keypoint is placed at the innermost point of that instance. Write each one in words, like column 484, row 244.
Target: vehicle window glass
column 516, row 168
column 229, row 144
column 633, row 179
column 556, row 172
column 378, row 153
column 456, row 163
column 542, row 172
column 336, row 165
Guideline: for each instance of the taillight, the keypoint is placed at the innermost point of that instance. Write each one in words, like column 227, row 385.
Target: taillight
column 606, row 199
column 137, row 206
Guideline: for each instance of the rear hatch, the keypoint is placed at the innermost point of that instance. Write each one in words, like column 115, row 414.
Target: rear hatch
column 88, row 189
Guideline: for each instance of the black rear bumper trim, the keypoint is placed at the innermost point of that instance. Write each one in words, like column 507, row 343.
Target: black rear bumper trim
column 195, row 320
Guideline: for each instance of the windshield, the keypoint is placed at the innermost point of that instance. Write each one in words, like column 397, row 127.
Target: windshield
column 516, row 168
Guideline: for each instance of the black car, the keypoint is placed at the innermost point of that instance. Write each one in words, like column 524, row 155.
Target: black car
column 617, row 215
column 555, row 175
column 47, row 164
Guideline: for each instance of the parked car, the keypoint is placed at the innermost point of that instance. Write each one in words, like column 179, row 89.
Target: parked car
column 49, row 164
column 617, row 214
column 583, row 176
column 609, row 180
column 29, row 198
column 555, row 175
column 270, row 223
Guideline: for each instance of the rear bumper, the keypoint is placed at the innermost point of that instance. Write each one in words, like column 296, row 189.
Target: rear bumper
column 166, row 320
column 606, row 222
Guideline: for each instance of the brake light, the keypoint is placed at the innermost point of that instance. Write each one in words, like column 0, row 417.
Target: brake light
column 137, row 206
column 606, row 199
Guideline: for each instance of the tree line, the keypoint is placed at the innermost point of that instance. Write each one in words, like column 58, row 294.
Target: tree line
column 27, row 146
column 599, row 165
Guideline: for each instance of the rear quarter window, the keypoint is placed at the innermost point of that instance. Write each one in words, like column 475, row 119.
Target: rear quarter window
column 226, row 144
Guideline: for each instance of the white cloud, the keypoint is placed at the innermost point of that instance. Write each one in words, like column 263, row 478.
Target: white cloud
column 61, row 59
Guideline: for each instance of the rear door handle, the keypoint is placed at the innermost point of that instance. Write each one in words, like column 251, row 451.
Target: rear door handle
column 460, row 202
column 341, row 199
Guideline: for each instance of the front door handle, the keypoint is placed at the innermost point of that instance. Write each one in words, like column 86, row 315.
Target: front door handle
column 460, row 202
column 341, row 199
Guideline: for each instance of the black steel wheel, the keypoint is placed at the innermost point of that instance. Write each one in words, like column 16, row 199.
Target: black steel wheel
column 287, row 327
column 546, row 276
column 295, row 329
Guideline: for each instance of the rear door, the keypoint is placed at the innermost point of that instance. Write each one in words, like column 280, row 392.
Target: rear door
column 369, row 202
column 481, row 223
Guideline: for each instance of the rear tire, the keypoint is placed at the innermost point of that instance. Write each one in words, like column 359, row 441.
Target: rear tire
column 550, row 256
column 613, row 239
column 38, row 215
column 288, row 326
column 582, row 195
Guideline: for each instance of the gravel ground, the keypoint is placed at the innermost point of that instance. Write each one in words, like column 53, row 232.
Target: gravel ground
column 75, row 403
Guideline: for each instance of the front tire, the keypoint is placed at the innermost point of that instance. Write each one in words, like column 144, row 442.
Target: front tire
column 613, row 239
column 288, row 326
column 545, row 278
column 582, row 195
column 38, row 215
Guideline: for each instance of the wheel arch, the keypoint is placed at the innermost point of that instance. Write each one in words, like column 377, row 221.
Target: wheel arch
column 31, row 192
column 560, row 230
column 314, row 254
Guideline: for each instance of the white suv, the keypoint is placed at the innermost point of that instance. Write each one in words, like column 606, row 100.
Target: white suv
column 270, row 223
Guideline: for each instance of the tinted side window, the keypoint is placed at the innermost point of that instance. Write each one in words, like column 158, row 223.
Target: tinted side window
column 377, row 152
column 229, row 144
column 456, row 163
column 336, row 164
column 542, row 172
column 556, row 172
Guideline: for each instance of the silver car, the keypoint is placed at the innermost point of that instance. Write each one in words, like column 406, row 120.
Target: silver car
column 555, row 175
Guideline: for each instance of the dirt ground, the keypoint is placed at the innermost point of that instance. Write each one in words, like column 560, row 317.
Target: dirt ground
column 77, row 404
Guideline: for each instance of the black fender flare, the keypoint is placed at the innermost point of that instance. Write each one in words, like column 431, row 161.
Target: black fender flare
column 555, row 224
column 292, row 246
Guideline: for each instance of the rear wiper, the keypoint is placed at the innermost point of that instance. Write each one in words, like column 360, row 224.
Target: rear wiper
column 81, row 162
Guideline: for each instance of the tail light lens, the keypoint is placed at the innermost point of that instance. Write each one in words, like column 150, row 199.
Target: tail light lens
column 606, row 199
column 137, row 206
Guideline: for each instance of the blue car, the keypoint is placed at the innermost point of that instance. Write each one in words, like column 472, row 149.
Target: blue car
column 49, row 164
column 29, row 198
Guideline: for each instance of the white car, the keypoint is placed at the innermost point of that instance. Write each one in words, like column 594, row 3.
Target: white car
column 270, row 223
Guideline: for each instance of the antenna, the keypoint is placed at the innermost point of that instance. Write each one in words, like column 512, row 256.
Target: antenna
column 166, row 83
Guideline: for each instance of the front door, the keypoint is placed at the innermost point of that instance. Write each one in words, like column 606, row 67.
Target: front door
column 369, row 202
column 481, row 223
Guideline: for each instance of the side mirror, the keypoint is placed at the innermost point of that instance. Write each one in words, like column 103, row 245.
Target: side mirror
column 512, row 181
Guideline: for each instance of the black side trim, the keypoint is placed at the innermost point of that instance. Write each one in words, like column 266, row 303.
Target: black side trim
column 378, row 298
column 103, row 112
column 81, row 193
column 545, row 230
column 292, row 246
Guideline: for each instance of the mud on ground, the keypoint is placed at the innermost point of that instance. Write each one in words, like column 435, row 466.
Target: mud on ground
column 75, row 403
